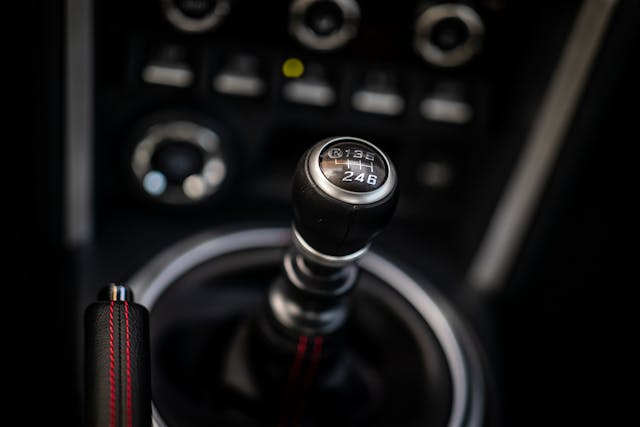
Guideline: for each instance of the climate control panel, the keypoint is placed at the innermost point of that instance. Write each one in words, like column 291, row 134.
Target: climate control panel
column 215, row 99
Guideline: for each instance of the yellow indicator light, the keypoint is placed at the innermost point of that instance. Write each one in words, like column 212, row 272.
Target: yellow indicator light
column 292, row 68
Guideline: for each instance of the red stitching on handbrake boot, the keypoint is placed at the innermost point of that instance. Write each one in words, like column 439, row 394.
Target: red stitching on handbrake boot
column 112, row 369
column 128, row 352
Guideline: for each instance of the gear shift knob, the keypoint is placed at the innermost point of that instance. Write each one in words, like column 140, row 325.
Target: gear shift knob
column 344, row 192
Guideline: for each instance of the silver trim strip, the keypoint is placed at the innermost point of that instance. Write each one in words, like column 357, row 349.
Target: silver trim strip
column 467, row 378
column 324, row 259
column 520, row 199
column 78, row 161
column 466, row 409
column 119, row 293
column 152, row 280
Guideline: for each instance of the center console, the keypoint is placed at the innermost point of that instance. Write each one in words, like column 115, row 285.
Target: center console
column 205, row 115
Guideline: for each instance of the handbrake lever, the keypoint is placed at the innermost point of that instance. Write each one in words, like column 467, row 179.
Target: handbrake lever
column 117, row 374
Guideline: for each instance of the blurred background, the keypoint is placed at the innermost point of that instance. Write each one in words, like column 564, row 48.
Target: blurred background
column 511, row 124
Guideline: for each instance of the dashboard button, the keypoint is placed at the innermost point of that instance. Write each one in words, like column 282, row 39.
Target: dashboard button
column 447, row 104
column 379, row 95
column 313, row 89
column 240, row 77
column 435, row 174
column 445, row 110
column 168, row 67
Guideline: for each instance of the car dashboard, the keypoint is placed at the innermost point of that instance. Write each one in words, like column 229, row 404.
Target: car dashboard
column 165, row 129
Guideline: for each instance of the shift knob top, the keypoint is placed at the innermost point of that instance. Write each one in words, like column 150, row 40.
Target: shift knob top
column 353, row 166
column 344, row 193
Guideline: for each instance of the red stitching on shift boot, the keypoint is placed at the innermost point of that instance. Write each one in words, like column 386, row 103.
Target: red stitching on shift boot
column 301, row 349
column 315, row 360
column 112, row 369
column 128, row 352
column 316, row 354
column 294, row 373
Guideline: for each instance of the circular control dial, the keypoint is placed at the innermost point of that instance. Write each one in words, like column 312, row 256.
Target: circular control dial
column 448, row 34
column 353, row 166
column 179, row 162
column 324, row 18
column 196, row 16
column 324, row 25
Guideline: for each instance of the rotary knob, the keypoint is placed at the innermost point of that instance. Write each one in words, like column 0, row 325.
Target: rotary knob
column 344, row 192
column 324, row 25
column 180, row 160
